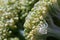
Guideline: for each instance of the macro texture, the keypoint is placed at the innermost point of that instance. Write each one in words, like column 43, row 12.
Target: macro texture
column 29, row 19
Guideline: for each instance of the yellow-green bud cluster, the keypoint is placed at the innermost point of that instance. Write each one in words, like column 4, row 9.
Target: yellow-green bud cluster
column 26, row 5
column 35, row 24
column 8, row 17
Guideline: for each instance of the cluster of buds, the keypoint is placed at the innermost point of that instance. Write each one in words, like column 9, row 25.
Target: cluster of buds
column 26, row 6
column 9, row 10
column 8, row 17
column 35, row 24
